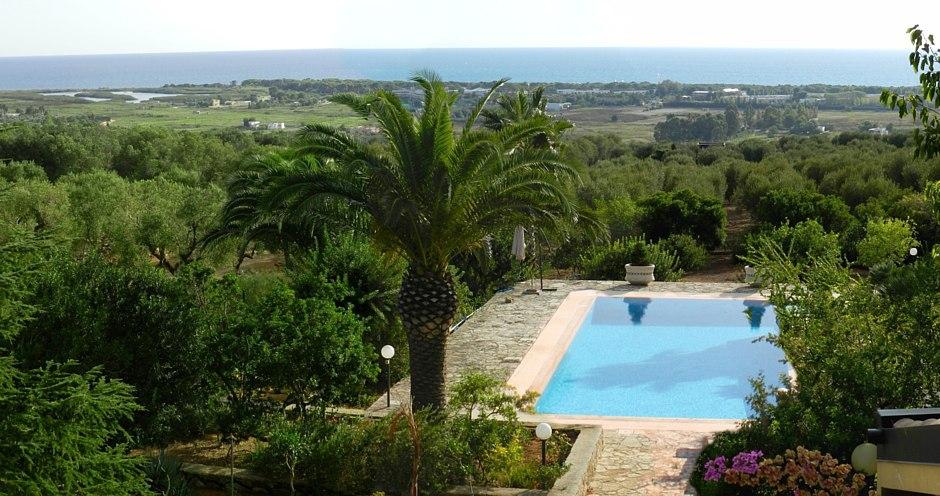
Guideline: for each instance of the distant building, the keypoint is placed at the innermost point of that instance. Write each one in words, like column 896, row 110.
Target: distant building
column 821, row 129
column 573, row 91
column 252, row 124
column 408, row 92
column 557, row 106
column 879, row 131
column 475, row 91
column 276, row 125
column 215, row 102
column 770, row 98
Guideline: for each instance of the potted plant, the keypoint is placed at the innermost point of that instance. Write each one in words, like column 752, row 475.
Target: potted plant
column 640, row 269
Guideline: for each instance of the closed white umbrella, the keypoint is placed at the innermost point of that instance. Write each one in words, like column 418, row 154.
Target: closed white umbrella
column 518, row 243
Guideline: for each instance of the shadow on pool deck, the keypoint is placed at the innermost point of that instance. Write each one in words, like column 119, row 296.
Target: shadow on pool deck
column 737, row 360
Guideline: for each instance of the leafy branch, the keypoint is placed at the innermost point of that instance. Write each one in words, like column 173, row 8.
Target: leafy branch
column 922, row 108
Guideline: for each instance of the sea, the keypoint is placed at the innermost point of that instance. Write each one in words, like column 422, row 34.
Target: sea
column 567, row 65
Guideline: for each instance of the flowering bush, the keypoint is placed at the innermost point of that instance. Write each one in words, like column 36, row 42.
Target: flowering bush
column 798, row 473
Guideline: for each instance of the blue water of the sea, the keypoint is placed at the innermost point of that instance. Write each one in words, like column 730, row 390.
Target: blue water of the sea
column 686, row 65
column 665, row 357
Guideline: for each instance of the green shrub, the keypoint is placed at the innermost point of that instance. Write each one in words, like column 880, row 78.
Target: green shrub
column 858, row 184
column 780, row 207
column 622, row 216
column 308, row 348
column 60, row 432
column 691, row 255
column 24, row 170
column 916, row 208
column 639, row 254
column 753, row 181
column 856, row 345
column 754, row 150
column 667, row 264
column 165, row 477
column 60, row 426
column 802, row 243
column 360, row 456
column 139, row 325
column 887, row 241
column 707, row 127
column 349, row 270
column 607, row 261
column 352, row 273
column 684, row 212
column 727, row 444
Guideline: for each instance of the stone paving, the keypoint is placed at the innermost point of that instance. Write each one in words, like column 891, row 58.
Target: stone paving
column 655, row 463
column 496, row 337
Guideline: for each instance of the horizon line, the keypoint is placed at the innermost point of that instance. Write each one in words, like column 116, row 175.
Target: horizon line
column 262, row 50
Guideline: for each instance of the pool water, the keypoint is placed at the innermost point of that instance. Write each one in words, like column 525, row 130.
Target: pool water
column 665, row 357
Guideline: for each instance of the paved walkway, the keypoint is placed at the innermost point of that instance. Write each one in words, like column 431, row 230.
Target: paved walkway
column 640, row 463
column 498, row 335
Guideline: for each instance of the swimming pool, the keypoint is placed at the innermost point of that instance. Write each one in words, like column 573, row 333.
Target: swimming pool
column 665, row 357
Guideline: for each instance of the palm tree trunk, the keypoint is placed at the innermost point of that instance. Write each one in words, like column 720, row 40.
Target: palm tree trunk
column 427, row 304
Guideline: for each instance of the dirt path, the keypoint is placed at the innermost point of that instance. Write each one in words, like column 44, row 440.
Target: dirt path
column 721, row 265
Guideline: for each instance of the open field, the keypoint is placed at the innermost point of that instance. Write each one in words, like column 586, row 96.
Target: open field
column 182, row 117
column 637, row 123
column 628, row 122
column 633, row 123
column 844, row 120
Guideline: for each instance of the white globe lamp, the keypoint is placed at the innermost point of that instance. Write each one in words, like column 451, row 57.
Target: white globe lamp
column 388, row 351
column 543, row 431
column 865, row 458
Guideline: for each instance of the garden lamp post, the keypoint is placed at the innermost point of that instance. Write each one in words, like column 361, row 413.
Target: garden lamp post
column 543, row 431
column 388, row 351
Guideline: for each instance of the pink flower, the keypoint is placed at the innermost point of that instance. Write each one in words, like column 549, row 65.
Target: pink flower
column 746, row 462
column 716, row 468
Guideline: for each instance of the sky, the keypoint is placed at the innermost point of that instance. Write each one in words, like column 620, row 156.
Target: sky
column 70, row 27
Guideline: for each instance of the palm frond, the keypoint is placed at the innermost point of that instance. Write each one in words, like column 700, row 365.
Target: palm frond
column 479, row 108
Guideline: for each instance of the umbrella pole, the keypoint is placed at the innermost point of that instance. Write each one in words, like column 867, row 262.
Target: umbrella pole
column 541, row 282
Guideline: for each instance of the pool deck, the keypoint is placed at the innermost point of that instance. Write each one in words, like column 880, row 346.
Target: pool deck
column 520, row 338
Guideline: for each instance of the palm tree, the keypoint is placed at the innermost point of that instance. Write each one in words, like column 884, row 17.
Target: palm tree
column 521, row 107
column 251, row 215
column 430, row 194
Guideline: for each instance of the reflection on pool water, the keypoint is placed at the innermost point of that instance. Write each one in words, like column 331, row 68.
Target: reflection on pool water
column 665, row 357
